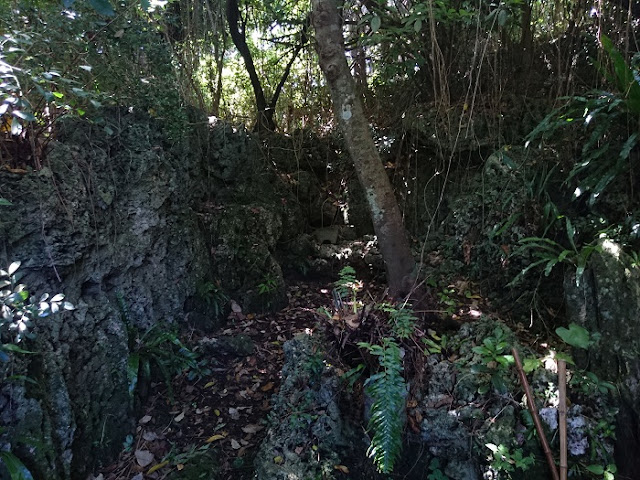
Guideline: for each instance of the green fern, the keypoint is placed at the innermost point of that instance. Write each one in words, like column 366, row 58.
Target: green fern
column 387, row 389
column 347, row 284
column 402, row 319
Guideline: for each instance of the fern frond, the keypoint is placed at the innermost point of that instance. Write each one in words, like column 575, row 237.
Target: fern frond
column 387, row 389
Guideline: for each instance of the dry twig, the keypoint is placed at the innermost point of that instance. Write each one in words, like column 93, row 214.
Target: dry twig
column 536, row 418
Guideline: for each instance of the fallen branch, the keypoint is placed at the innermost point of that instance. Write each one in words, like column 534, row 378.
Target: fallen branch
column 562, row 417
column 534, row 413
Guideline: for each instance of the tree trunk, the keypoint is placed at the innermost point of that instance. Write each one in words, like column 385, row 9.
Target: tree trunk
column 266, row 111
column 238, row 35
column 385, row 213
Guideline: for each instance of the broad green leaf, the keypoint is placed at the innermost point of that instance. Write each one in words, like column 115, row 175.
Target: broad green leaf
column 26, row 116
column 375, row 23
column 17, row 471
column 418, row 25
column 5, row 202
column 13, row 267
column 596, row 469
column 530, row 364
column 575, row 335
column 503, row 16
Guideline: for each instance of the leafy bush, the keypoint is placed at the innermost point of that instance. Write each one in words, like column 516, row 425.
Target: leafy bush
column 606, row 153
column 19, row 310
column 213, row 295
column 161, row 349
column 15, row 468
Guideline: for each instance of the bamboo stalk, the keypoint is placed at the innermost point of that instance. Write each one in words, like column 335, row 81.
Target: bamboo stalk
column 562, row 417
column 536, row 418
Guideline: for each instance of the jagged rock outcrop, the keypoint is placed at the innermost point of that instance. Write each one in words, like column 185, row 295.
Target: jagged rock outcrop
column 306, row 434
column 120, row 220
column 109, row 216
column 606, row 300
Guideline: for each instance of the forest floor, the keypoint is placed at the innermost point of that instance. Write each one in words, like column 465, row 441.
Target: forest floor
column 213, row 426
column 217, row 423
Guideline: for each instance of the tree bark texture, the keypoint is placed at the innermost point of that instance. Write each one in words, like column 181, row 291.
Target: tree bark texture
column 385, row 213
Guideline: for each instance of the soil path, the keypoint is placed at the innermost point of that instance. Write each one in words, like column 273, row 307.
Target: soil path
column 215, row 424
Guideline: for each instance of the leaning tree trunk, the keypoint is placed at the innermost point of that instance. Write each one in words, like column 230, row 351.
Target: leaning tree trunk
column 347, row 106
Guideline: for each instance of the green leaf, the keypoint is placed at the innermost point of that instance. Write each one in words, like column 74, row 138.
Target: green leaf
column 145, row 5
column 17, row 471
column 575, row 335
column 628, row 146
column 13, row 267
column 375, row 23
column 597, row 469
column 418, row 25
column 499, row 384
column 5, row 202
column 10, row 347
column 530, row 364
column 26, row 116
column 103, row 7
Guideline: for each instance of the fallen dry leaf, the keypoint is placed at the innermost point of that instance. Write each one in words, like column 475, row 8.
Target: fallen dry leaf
column 214, row 438
column 179, row 418
column 342, row 468
column 267, row 387
column 158, row 467
column 252, row 428
column 234, row 444
column 150, row 436
column 145, row 419
column 144, row 457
